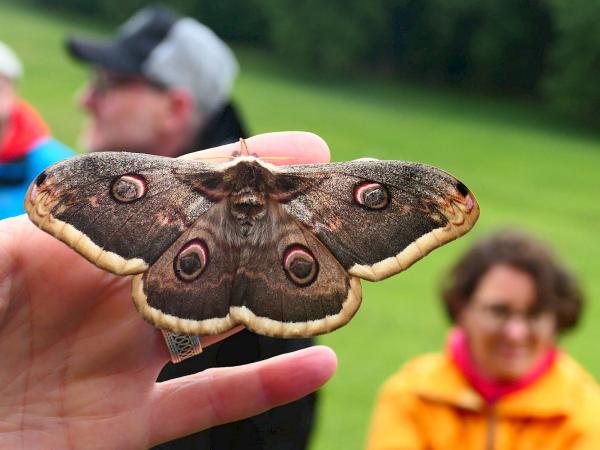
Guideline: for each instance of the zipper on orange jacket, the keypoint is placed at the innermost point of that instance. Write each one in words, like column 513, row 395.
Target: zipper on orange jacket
column 492, row 422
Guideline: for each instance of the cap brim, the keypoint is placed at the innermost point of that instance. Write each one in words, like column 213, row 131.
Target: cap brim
column 108, row 55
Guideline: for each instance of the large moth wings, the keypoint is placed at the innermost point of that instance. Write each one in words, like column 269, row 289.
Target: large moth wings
column 119, row 210
column 278, row 249
column 379, row 217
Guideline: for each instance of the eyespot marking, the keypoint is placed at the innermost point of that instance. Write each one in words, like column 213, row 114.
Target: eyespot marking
column 191, row 260
column 466, row 193
column 128, row 188
column 371, row 195
column 300, row 265
column 40, row 178
column 460, row 187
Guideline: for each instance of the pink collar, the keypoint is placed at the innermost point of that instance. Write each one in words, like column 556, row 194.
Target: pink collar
column 491, row 390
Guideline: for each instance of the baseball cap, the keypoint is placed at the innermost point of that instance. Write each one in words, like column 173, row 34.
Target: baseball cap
column 167, row 49
column 10, row 66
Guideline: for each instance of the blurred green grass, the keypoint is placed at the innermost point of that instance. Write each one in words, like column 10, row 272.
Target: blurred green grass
column 525, row 166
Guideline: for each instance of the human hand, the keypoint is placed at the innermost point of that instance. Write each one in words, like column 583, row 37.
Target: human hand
column 78, row 364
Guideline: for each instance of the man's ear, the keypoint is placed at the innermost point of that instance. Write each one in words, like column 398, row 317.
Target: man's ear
column 180, row 111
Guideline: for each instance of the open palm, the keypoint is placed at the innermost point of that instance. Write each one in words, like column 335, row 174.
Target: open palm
column 78, row 364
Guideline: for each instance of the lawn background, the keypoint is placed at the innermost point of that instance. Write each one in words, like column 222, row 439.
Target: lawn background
column 526, row 167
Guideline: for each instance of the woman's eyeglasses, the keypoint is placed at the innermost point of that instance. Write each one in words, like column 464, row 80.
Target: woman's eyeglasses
column 498, row 315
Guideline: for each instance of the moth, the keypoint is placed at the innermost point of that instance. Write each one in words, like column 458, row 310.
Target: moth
column 279, row 249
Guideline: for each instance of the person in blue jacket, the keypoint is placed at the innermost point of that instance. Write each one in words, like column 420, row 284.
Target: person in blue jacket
column 26, row 146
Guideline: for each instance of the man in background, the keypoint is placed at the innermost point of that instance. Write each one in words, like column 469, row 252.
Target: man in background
column 162, row 86
column 26, row 147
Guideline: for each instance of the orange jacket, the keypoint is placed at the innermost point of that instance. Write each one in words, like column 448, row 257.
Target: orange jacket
column 428, row 405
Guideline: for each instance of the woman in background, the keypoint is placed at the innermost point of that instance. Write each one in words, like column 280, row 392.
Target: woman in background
column 26, row 144
column 501, row 382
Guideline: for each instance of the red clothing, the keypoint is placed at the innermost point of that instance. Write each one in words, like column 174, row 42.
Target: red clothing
column 491, row 390
column 24, row 130
column 26, row 148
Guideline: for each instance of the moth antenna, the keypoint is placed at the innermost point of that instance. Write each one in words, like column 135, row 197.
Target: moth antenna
column 244, row 147
column 279, row 158
column 214, row 157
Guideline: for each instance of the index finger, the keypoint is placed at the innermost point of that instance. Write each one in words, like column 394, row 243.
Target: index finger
column 212, row 397
column 285, row 147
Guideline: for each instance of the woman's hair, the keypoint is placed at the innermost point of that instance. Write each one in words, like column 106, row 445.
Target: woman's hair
column 557, row 290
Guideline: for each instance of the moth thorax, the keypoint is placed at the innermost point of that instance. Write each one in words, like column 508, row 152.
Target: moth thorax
column 247, row 175
column 248, row 205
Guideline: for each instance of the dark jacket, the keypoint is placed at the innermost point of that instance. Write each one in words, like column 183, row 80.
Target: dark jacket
column 283, row 428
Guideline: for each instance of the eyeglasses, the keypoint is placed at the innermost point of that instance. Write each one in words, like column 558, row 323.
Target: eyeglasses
column 498, row 315
column 102, row 82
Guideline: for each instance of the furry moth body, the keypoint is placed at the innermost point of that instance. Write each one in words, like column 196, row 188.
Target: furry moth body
column 279, row 249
